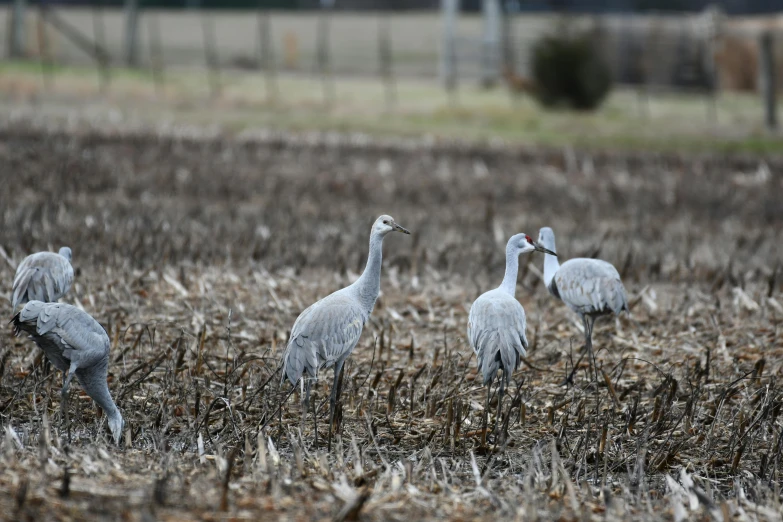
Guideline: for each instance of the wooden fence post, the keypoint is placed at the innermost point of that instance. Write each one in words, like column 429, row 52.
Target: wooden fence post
column 17, row 43
column 266, row 51
column 211, row 54
column 322, row 53
column 99, row 32
column 768, row 80
column 131, row 32
column 385, row 59
column 448, row 53
column 47, row 68
column 490, row 63
column 156, row 54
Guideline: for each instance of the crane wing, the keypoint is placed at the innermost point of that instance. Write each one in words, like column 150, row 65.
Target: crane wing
column 44, row 276
column 590, row 286
column 496, row 331
column 79, row 337
column 325, row 332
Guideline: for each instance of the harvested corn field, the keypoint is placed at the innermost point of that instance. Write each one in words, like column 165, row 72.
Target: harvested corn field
column 197, row 254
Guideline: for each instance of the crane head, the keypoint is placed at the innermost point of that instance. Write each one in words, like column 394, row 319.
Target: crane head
column 523, row 244
column 116, row 425
column 66, row 253
column 385, row 224
column 546, row 236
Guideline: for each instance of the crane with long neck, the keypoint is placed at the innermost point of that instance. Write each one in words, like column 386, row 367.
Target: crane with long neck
column 497, row 323
column 326, row 333
column 590, row 287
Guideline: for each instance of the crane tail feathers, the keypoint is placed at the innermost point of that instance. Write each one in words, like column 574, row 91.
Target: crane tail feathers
column 499, row 351
column 296, row 362
column 21, row 288
column 17, row 324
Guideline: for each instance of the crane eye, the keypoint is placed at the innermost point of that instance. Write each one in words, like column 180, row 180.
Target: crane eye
column 385, row 222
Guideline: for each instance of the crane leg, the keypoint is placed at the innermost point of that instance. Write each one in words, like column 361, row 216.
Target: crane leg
column 588, row 324
column 307, row 383
column 570, row 377
column 498, row 417
column 486, row 414
column 64, row 400
column 315, row 426
column 338, row 367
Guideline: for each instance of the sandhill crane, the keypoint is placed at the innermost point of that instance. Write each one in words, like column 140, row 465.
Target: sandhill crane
column 590, row 287
column 43, row 276
column 326, row 333
column 76, row 344
column 496, row 323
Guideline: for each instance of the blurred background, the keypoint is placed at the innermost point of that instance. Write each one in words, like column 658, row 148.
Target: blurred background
column 673, row 73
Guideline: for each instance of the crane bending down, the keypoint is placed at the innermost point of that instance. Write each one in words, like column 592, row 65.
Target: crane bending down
column 43, row 276
column 76, row 344
column 590, row 287
column 496, row 324
column 326, row 333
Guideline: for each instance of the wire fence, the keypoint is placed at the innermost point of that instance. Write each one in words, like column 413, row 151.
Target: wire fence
column 702, row 54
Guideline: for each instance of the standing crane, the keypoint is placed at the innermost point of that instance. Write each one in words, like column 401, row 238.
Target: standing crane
column 496, row 323
column 43, row 276
column 327, row 331
column 76, row 344
column 590, row 287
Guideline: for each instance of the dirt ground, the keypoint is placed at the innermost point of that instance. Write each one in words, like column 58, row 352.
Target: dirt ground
column 197, row 255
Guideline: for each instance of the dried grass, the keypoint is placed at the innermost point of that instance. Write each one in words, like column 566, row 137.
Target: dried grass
column 197, row 255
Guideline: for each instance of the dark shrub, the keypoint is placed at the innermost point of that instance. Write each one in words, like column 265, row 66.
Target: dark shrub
column 569, row 70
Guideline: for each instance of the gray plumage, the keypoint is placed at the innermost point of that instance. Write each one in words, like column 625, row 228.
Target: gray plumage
column 496, row 322
column 44, row 276
column 77, row 345
column 496, row 329
column 326, row 333
column 590, row 287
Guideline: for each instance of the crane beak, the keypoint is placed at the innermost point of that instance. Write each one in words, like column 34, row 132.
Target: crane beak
column 540, row 248
column 398, row 228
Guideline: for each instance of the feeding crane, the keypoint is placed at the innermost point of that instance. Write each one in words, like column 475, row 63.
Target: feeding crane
column 77, row 345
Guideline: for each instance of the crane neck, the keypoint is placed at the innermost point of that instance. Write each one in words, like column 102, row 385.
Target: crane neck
column 509, row 283
column 368, row 285
column 551, row 264
column 95, row 385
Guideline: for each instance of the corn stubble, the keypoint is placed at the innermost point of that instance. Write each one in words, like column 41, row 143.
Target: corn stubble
column 198, row 255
